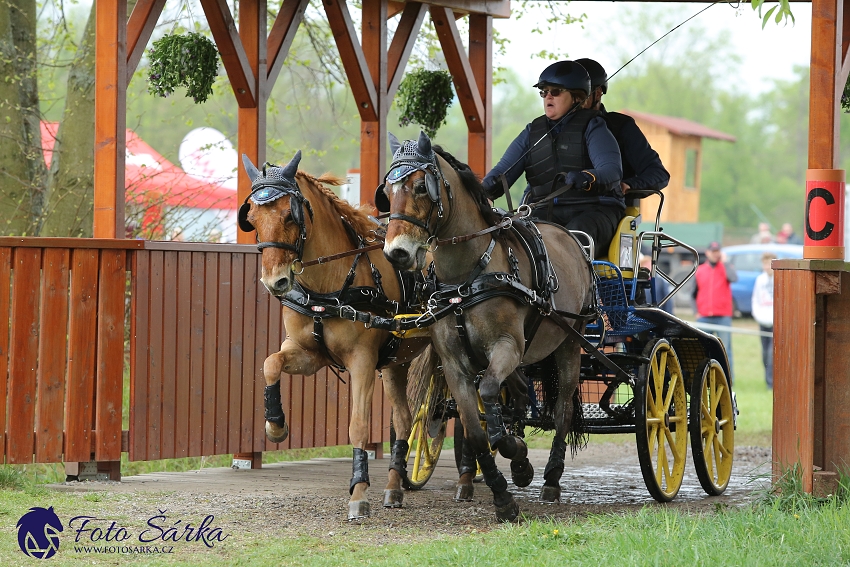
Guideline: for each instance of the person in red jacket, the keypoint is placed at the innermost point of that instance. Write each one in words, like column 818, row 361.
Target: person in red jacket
column 714, row 295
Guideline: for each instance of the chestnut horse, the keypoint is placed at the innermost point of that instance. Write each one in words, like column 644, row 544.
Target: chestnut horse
column 491, row 304
column 327, row 306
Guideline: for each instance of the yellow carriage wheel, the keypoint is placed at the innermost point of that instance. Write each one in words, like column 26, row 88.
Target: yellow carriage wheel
column 427, row 435
column 712, row 427
column 661, row 421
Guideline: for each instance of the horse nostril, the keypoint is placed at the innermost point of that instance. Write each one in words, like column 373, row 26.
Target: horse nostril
column 281, row 283
column 399, row 256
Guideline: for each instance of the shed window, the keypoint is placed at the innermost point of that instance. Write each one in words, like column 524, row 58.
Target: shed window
column 691, row 168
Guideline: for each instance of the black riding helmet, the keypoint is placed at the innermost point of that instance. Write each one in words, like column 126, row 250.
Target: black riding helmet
column 565, row 74
column 598, row 76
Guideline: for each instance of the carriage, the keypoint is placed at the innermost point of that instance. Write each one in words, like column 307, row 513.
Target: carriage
column 657, row 377
column 641, row 370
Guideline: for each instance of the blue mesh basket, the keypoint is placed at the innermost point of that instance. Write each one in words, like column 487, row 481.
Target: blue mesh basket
column 614, row 303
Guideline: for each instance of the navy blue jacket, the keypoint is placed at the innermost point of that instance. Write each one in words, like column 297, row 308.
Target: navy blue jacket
column 642, row 167
column 601, row 147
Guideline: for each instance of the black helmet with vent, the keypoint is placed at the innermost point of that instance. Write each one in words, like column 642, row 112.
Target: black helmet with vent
column 598, row 76
column 565, row 74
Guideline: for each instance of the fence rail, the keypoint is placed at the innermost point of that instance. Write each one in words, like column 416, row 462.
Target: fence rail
column 200, row 326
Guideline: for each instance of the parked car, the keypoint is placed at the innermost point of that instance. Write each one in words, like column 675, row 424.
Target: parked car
column 747, row 261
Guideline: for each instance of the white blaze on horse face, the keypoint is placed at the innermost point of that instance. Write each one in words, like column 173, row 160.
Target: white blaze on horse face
column 278, row 278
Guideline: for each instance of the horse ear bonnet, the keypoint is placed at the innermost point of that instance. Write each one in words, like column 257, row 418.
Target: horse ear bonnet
column 408, row 157
column 270, row 185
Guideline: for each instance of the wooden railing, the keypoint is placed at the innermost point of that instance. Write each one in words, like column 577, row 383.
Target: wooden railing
column 200, row 326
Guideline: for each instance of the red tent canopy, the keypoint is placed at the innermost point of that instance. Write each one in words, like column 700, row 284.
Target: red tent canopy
column 152, row 178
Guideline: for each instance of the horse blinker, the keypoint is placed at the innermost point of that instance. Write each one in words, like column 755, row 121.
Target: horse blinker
column 242, row 218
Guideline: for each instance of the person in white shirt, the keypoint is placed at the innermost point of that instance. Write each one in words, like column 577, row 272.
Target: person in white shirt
column 763, row 313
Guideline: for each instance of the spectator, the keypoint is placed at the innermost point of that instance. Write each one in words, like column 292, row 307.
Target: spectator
column 763, row 313
column 763, row 236
column 714, row 296
column 786, row 235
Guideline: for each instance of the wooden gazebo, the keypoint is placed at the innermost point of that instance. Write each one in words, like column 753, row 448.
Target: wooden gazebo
column 812, row 381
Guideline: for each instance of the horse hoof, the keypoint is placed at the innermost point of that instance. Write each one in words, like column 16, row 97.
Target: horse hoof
column 507, row 512
column 276, row 434
column 550, row 493
column 522, row 473
column 464, row 493
column 393, row 498
column 358, row 510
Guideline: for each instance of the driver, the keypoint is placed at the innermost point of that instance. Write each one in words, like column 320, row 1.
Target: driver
column 572, row 140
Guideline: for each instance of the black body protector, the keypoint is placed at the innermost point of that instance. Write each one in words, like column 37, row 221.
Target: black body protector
column 565, row 152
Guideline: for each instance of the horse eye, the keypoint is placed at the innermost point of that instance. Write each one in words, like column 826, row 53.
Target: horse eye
column 419, row 188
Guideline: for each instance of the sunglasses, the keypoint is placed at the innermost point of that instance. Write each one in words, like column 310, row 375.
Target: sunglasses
column 554, row 92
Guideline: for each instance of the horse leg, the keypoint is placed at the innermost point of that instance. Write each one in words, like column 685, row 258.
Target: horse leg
column 568, row 360
column 395, row 386
column 504, row 358
column 291, row 359
column 362, row 386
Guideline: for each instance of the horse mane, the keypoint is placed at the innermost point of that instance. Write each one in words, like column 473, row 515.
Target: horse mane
column 356, row 216
column 472, row 184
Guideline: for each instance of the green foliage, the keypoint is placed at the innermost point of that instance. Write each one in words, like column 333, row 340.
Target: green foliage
column 189, row 60
column 780, row 12
column 423, row 98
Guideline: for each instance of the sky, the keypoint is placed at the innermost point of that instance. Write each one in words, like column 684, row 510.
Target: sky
column 766, row 54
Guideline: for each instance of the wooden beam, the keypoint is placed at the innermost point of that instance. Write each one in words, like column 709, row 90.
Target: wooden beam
column 795, row 305
column 845, row 43
column 402, row 44
column 232, row 52
column 353, row 60
column 373, row 132
column 825, row 90
column 110, row 122
column 480, row 143
column 495, row 8
column 283, row 30
column 139, row 29
column 394, row 8
column 251, row 136
column 458, row 63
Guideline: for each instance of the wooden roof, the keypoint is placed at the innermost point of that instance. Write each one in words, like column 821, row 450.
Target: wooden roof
column 681, row 126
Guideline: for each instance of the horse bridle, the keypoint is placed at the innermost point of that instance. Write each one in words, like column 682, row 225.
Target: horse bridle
column 405, row 164
column 265, row 191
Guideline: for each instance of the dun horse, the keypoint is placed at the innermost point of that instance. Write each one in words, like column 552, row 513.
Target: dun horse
column 495, row 315
column 299, row 220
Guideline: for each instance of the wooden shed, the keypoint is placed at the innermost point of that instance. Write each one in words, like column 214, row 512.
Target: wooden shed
column 679, row 144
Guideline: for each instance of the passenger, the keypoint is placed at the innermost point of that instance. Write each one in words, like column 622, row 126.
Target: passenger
column 642, row 168
column 567, row 139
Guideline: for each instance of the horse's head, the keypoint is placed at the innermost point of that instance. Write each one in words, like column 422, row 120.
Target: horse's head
column 412, row 193
column 276, row 210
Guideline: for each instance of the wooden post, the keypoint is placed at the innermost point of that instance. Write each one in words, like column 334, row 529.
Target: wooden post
column 480, row 141
column 110, row 125
column 373, row 133
column 810, row 360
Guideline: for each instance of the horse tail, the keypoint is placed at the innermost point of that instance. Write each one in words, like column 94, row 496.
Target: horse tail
column 424, row 378
column 577, row 437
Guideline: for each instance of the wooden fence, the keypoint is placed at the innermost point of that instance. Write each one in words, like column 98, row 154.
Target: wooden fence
column 200, row 326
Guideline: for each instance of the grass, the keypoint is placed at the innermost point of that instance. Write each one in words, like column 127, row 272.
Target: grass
column 783, row 528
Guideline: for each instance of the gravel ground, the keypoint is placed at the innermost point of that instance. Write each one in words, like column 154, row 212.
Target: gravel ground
column 310, row 497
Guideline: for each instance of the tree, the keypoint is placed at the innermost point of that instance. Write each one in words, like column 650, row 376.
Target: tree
column 22, row 169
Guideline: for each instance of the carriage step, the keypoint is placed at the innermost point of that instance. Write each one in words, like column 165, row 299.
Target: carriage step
column 592, row 412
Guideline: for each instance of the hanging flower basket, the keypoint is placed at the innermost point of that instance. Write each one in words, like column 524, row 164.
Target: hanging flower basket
column 189, row 60
column 423, row 98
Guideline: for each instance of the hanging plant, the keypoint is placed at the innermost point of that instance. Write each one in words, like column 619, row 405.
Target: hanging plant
column 424, row 97
column 189, row 60
column 845, row 97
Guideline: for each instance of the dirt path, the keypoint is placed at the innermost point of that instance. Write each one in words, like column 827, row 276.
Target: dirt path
column 310, row 497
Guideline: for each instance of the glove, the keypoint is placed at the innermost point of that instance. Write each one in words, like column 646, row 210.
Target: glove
column 580, row 179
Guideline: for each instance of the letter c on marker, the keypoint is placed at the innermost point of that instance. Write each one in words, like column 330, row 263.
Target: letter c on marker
column 828, row 227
